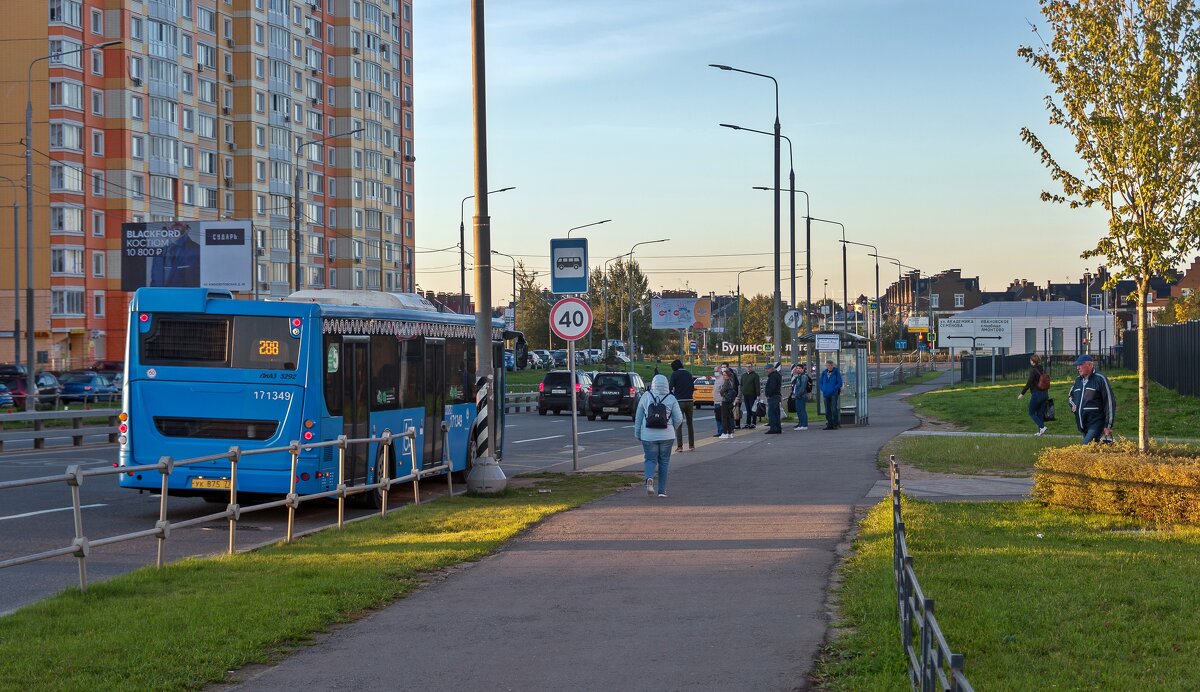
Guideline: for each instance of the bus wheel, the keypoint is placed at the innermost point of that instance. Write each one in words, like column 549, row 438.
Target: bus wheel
column 603, row 416
column 373, row 499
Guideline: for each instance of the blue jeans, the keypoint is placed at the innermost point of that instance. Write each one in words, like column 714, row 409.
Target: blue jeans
column 802, row 410
column 773, row 413
column 1037, row 407
column 833, row 413
column 658, row 457
column 1094, row 429
column 717, row 413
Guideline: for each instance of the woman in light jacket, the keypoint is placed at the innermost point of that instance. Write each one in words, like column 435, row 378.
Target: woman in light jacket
column 656, row 442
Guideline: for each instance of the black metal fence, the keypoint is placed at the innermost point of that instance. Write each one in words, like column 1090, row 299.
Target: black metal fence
column 932, row 664
column 1173, row 359
column 1016, row 366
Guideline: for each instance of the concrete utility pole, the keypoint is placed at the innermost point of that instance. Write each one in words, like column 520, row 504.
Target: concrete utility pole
column 486, row 475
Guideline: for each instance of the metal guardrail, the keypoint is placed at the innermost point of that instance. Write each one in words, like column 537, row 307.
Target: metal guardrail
column 520, row 402
column 40, row 432
column 931, row 663
column 75, row 476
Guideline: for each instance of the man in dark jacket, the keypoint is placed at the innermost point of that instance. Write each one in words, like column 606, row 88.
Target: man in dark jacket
column 831, row 389
column 1092, row 401
column 750, row 392
column 773, row 389
column 682, row 387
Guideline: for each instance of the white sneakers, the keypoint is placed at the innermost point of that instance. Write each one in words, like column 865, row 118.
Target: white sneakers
column 727, row 436
column 800, row 427
column 650, row 487
column 1040, row 431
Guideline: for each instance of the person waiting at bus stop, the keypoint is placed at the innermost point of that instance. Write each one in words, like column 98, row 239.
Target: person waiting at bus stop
column 831, row 389
column 773, row 389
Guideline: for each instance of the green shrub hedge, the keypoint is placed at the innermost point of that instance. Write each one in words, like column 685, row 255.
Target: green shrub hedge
column 1162, row 487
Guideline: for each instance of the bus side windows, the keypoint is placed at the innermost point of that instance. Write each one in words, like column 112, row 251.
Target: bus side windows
column 412, row 370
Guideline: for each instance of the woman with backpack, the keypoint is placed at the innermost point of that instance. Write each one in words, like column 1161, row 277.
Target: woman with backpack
column 1038, row 384
column 658, row 415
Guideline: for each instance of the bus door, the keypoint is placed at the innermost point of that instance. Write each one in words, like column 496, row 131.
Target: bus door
column 435, row 400
column 356, row 405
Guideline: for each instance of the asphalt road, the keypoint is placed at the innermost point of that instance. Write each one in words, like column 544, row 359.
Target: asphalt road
column 39, row 518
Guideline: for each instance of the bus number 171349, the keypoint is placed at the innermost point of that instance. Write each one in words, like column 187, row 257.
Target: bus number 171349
column 272, row 395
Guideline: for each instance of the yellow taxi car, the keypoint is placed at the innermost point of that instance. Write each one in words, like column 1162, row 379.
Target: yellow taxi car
column 702, row 395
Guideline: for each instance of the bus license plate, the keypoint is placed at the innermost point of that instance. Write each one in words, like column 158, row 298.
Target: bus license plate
column 211, row 483
column 611, row 409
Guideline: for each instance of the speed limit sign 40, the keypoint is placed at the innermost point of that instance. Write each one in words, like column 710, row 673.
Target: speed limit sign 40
column 570, row 319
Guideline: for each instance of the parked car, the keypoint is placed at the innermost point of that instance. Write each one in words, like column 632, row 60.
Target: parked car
column 6, row 398
column 87, row 386
column 108, row 368
column 46, row 389
column 560, row 358
column 703, row 393
column 615, row 394
column 535, row 361
column 553, row 394
column 547, row 360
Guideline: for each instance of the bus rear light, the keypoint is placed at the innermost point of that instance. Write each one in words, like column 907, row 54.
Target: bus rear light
column 295, row 321
column 308, row 435
column 308, row 424
column 122, row 416
column 121, row 439
column 123, row 428
column 143, row 317
column 304, row 476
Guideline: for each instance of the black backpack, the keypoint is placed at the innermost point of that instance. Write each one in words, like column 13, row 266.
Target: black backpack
column 656, row 414
column 807, row 384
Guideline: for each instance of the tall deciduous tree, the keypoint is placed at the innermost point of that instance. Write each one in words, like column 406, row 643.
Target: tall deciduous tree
column 533, row 310
column 1126, row 78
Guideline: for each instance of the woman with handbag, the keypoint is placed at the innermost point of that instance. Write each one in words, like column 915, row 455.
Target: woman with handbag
column 1038, row 384
column 801, row 384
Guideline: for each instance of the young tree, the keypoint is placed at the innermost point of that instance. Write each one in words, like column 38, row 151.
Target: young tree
column 1126, row 78
column 533, row 312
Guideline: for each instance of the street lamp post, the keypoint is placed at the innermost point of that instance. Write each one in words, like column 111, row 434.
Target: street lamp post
column 296, row 199
column 605, row 298
column 462, row 248
column 594, row 223
column 878, row 311
column 845, row 298
column 629, row 271
column 1087, row 309
column 514, row 284
column 29, row 355
column 778, row 328
column 16, row 277
column 741, row 339
column 807, row 249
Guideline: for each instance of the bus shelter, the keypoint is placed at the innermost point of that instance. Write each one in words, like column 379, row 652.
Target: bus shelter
column 848, row 351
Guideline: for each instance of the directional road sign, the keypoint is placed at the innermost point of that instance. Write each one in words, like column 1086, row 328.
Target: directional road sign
column 570, row 319
column 960, row 332
column 568, row 265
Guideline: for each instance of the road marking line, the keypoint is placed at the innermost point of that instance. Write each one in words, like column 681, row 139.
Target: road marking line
column 47, row 511
column 535, row 439
column 589, row 432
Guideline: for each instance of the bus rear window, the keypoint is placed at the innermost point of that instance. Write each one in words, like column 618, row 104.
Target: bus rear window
column 245, row 341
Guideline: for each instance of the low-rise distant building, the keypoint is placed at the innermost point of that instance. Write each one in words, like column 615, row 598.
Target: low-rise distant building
column 1055, row 327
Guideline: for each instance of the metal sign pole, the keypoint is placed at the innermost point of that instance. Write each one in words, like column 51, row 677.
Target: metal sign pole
column 574, row 406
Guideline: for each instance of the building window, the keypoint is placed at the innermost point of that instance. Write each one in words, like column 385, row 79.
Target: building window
column 66, row 136
column 137, row 147
column 960, row 300
column 98, row 303
column 135, row 28
column 933, row 301
column 66, row 95
column 97, row 22
column 98, row 183
column 66, row 12
column 66, row 302
column 98, row 262
column 97, row 224
column 65, row 178
column 66, row 219
column 67, row 261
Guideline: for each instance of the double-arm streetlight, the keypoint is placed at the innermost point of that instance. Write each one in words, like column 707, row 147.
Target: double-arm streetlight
column 594, row 223
column 845, row 297
column 741, row 340
column 296, row 196
column 878, row 309
column 778, row 330
column 514, row 282
column 462, row 249
column 791, row 223
column 29, row 360
column 629, row 271
column 16, row 279
column 604, row 294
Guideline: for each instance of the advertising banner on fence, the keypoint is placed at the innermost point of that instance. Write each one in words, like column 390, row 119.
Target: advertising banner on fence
column 680, row 313
column 187, row 254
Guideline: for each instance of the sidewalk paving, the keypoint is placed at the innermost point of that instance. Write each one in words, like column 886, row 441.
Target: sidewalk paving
column 720, row 586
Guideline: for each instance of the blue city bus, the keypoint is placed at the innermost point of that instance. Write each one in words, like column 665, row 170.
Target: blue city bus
column 205, row 372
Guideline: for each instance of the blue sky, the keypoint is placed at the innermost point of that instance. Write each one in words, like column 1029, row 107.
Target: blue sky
column 904, row 116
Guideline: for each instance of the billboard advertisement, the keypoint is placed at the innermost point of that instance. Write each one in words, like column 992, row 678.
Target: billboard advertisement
column 186, row 254
column 680, row 313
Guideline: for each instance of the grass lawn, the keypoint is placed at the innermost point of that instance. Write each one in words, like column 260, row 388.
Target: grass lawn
column 924, row 377
column 995, row 408
column 184, row 626
column 1000, row 456
column 1088, row 605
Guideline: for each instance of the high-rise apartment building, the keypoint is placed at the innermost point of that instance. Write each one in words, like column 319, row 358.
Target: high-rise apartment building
column 205, row 110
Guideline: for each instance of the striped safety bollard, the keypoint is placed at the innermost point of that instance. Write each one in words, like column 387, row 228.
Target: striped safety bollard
column 485, row 476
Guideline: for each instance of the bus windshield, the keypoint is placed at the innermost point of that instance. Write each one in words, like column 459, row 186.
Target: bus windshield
column 213, row 341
